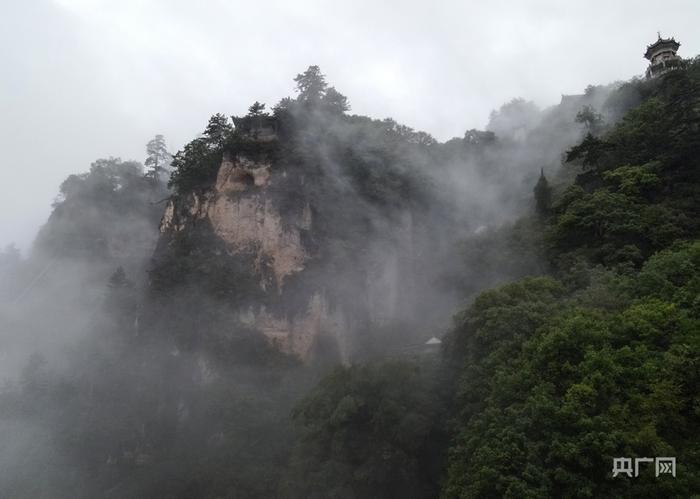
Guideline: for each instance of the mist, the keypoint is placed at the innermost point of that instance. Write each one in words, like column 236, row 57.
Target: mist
column 231, row 272
column 96, row 79
column 134, row 305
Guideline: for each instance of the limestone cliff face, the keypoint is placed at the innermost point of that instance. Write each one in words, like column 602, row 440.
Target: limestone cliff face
column 243, row 212
column 243, row 217
column 296, row 335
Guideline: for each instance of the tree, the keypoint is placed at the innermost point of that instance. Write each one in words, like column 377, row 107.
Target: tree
column 253, row 122
column 158, row 157
column 256, row 110
column 547, row 383
column 543, row 195
column 284, row 105
column 335, row 102
column 218, row 131
column 194, row 165
column 98, row 211
column 311, row 85
column 590, row 119
column 369, row 431
column 591, row 151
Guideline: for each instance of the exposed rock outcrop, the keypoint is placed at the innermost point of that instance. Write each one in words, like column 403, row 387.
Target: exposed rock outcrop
column 309, row 277
column 244, row 217
column 298, row 334
column 242, row 213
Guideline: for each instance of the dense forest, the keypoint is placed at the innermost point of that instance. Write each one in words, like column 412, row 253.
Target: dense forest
column 556, row 254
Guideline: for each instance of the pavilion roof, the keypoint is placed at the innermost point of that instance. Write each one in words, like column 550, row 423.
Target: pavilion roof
column 661, row 43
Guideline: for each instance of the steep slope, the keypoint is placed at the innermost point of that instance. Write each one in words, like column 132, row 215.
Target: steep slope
column 332, row 233
column 285, row 241
column 241, row 210
column 306, row 234
column 557, row 376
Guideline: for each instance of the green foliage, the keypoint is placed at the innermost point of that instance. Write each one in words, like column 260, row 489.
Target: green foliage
column 311, row 85
column 627, row 96
column 495, row 256
column 369, row 431
column 315, row 94
column 139, row 422
column 641, row 186
column 158, row 158
column 552, row 386
column 591, row 119
column 194, row 165
column 635, row 181
column 545, row 379
column 589, row 151
column 673, row 275
column 547, row 403
column 106, row 212
column 256, row 110
column 493, row 329
column 335, row 102
column 607, row 223
column 217, row 132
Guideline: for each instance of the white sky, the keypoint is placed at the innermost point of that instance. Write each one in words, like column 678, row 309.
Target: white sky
column 83, row 79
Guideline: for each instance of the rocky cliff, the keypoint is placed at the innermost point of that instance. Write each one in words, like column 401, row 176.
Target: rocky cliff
column 314, row 235
column 242, row 210
column 311, row 291
column 246, row 219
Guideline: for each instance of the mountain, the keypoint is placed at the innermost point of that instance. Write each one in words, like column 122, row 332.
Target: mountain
column 257, row 328
column 326, row 232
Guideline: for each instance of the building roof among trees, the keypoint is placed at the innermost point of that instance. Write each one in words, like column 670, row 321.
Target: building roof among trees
column 659, row 44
